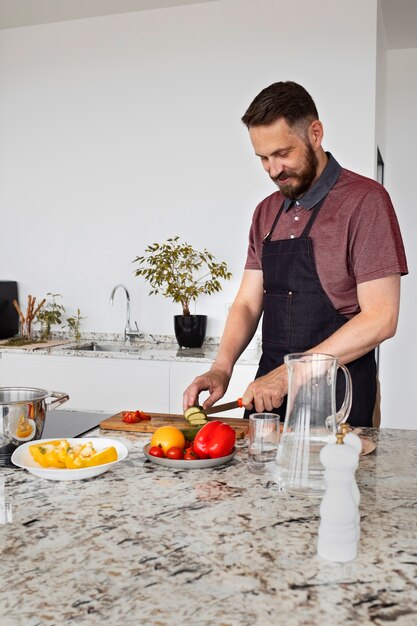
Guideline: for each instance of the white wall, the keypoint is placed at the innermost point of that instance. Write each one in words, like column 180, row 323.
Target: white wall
column 380, row 86
column 123, row 130
column 398, row 363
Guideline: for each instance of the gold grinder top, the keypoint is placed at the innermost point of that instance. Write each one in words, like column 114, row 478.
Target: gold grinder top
column 339, row 438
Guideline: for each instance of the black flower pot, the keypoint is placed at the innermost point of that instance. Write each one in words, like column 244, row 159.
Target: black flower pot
column 190, row 330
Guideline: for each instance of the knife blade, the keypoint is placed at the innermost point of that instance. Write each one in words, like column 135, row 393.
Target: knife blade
column 228, row 406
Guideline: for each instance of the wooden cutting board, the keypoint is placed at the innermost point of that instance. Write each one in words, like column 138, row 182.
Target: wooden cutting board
column 165, row 419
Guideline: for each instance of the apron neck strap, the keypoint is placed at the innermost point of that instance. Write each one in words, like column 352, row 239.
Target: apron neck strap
column 314, row 212
column 268, row 235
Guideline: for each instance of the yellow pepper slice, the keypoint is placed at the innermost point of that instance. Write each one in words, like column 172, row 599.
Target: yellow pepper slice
column 74, row 462
column 46, row 454
column 51, row 459
column 108, row 455
column 38, row 453
column 62, row 451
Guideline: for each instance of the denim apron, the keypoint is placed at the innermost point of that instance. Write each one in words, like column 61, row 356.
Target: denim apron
column 297, row 315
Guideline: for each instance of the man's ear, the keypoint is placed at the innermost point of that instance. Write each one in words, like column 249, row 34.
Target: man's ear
column 315, row 133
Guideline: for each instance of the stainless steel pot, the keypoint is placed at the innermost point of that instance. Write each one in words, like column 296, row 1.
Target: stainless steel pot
column 22, row 416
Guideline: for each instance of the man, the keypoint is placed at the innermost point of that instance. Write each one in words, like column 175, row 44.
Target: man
column 324, row 263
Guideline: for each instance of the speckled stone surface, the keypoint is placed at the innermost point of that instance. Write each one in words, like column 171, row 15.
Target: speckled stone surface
column 146, row 347
column 142, row 544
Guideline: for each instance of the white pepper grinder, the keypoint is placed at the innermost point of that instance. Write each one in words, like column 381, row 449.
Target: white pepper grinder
column 338, row 537
column 353, row 440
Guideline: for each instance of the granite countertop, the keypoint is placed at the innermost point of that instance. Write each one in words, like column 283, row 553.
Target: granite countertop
column 142, row 544
column 147, row 347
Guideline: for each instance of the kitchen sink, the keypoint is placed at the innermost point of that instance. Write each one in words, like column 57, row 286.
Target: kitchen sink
column 96, row 346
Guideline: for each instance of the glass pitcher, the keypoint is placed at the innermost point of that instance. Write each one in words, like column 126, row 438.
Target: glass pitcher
column 310, row 421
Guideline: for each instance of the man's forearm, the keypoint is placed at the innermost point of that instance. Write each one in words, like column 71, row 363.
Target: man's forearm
column 241, row 325
column 354, row 339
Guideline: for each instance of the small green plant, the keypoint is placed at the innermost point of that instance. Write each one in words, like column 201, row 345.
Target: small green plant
column 50, row 314
column 177, row 271
column 74, row 324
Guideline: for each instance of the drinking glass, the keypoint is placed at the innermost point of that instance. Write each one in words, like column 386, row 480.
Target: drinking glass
column 264, row 429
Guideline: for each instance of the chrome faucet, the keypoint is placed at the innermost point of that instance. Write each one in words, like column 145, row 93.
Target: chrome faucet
column 128, row 332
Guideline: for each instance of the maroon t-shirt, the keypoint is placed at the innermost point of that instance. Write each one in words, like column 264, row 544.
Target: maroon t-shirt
column 356, row 237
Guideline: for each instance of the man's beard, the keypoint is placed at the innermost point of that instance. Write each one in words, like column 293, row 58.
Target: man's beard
column 304, row 177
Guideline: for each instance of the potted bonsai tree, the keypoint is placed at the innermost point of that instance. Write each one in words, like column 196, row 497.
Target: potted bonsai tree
column 178, row 271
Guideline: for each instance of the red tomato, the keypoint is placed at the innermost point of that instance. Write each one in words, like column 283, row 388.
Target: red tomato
column 129, row 417
column 142, row 416
column 156, row 451
column 214, row 440
column 175, row 453
column 133, row 417
column 190, row 454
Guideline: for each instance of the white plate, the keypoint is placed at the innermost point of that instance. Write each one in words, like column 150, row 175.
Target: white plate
column 23, row 458
column 182, row 464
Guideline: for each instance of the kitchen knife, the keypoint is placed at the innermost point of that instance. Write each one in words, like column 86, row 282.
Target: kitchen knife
column 228, row 406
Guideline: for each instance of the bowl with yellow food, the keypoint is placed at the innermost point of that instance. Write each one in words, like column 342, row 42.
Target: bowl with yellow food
column 75, row 458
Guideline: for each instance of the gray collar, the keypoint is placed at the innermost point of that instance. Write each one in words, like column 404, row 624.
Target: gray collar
column 321, row 187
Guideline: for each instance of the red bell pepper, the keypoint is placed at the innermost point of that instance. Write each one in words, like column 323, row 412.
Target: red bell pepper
column 214, row 440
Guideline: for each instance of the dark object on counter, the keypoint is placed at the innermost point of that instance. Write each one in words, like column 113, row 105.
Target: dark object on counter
column 64, row 423
column 190, row 330
column 9, row 319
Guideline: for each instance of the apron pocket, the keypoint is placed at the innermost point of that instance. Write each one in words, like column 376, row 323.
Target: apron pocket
column 276, row 324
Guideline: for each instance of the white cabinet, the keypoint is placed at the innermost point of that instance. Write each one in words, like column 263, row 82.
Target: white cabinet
column 94, row 384
column 113, row 385
column 182, row 374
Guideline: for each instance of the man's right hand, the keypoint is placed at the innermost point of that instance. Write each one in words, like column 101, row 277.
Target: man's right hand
column 215, row 381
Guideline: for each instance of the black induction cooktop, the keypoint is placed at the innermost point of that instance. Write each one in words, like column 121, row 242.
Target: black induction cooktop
column 66, row 423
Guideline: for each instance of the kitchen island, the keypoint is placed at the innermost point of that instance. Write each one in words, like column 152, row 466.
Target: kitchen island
column 142, row 544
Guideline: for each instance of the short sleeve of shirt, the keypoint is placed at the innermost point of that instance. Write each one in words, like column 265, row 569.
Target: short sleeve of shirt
column 252, row 262
column 376, row 247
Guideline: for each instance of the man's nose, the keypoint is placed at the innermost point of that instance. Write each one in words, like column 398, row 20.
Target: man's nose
column 275, row 168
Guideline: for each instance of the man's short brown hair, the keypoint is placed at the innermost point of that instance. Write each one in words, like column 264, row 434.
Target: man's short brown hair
column 286, row 100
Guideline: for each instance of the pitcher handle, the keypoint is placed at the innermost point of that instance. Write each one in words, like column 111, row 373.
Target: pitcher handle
column 343, row 413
